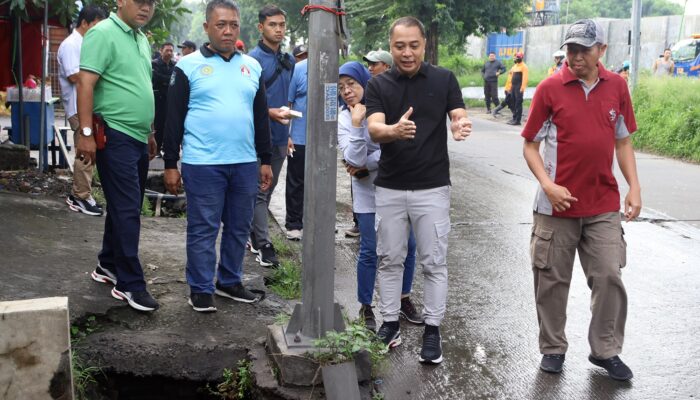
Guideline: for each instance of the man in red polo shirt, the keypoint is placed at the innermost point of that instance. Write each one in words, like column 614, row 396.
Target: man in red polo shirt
column 584, row 115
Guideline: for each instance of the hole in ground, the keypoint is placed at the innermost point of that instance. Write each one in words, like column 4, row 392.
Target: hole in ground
column 130, row 387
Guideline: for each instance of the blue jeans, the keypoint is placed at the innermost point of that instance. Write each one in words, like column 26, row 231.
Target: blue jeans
column 123, row 166
column 218, row 194
column 367, row 260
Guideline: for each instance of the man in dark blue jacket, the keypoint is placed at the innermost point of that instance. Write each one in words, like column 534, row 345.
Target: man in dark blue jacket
column 277, row 73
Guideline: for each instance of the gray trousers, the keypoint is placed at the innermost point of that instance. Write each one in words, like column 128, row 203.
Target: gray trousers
column 428, row 213
column 262, row 201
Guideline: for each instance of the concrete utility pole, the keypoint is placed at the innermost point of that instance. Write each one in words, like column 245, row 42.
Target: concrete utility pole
column 636, row 43
column 318, row 314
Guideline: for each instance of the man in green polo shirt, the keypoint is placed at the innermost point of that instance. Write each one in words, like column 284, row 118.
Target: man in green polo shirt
column 115, row 83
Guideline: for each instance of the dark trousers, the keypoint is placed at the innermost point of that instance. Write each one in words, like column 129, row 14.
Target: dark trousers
column 517, row 105
column 218, row 194
column 294, row 192
column 159, row 120
column 123, row 166
column 491, row 93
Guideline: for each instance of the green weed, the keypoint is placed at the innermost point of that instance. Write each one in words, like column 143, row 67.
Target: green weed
column 285, row 280
column 147, row 208
column 668, row 118
column 236, row 385
column 338, row 347
column 284, row 247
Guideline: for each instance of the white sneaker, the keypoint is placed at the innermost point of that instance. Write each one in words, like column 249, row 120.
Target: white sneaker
column 295, row 234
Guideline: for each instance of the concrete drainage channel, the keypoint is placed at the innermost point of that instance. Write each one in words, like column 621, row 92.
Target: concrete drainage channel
column 162, row 203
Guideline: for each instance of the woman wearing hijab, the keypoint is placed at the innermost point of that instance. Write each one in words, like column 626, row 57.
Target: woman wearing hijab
column 361, row 158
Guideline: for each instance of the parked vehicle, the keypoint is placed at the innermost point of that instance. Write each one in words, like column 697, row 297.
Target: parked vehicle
column 686, row 56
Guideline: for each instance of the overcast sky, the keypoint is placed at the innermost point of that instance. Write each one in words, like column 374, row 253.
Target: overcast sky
column 693, row 6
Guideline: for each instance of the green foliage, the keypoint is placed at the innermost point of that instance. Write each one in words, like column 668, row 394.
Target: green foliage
column 578, row 9
column 84, row 375
column 668, row 118
column 447, row 21
column 236, row 385
column 282, row 318
column 338, row 347
column 167, row 14
column 285, row 280
column 62, row 9
column 284, row 247
column 468, row 70
column 147, row 208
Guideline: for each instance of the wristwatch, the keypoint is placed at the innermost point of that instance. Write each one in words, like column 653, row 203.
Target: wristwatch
column 86, row 131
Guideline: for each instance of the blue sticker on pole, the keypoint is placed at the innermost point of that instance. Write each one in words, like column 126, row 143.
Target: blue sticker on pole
column 330, row 104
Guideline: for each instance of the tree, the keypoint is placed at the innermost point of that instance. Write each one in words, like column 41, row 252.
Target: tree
column 578, row 9
column 166, row 14
column 446, row 21
column 61, row 9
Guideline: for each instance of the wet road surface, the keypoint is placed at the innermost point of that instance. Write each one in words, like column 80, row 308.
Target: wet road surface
column 490, row 331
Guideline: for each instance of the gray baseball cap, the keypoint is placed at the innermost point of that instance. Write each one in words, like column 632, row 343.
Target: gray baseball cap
column 584, row 32
column 379, row 56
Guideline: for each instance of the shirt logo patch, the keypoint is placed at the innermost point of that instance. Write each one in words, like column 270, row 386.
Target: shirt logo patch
column 172, row 79
column 207, row 70
column 612, row 114
column 245, row 71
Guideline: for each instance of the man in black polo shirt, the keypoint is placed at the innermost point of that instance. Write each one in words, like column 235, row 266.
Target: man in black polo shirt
column 407, row 109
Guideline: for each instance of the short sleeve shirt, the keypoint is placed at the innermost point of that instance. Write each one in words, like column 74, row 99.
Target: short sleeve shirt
column 122, row 58
column 298, row 88
column 420, row 163
column 69, row 64
column 579, row 126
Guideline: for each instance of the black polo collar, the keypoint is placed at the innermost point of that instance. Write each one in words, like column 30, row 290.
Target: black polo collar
column 423, row 70
column 207, row 52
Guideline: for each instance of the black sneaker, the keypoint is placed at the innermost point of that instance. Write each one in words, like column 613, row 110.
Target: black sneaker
column 252, row 243
column 367, row 316
column 267, row 257
column 553, row 363
column 431, row 352
column 512, row 122
column 103, row 275
column 236, row 292
column 390, row 334
column 88, row 206
column 617, row 369
column 141, row 300
column 409, row 313
column 202, row 302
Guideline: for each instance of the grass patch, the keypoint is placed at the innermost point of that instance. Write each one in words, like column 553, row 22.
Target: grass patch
column 84, row 374
column 236, row 385
column 668, row 117
column 285, row 248
column 285, row 281
column 147, row 208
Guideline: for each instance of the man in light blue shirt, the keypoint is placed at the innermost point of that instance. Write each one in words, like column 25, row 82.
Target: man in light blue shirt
column 217, row 111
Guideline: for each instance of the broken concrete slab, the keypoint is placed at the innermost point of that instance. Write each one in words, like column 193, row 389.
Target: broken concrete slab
column 35, row 349
column 13, row 157
column 295, row 367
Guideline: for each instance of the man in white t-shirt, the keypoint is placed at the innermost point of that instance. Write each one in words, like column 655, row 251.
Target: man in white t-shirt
column 69, row 65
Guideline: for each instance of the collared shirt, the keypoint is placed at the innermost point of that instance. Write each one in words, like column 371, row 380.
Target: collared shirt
column 217, row 111
column 422, row 162
column 122, row 58
column 69, row 63
column 278, row 90
column 297, row 96
column 580, row 125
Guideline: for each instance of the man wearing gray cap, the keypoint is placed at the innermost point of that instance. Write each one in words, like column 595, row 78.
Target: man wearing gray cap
column 378, row 61
column 187, row 47
column 583, row 113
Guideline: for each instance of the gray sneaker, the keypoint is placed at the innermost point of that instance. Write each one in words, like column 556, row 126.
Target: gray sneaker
column 236, row 292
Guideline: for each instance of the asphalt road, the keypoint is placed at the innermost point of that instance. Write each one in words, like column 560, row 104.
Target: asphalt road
column 490, row 332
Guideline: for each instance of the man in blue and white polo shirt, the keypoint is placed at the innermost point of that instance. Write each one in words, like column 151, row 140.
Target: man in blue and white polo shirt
column 217, row 111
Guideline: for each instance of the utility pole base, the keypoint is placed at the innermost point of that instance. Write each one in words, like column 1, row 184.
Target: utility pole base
column 294, row 336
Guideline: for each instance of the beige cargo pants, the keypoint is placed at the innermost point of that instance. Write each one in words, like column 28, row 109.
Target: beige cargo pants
column 602, row 250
